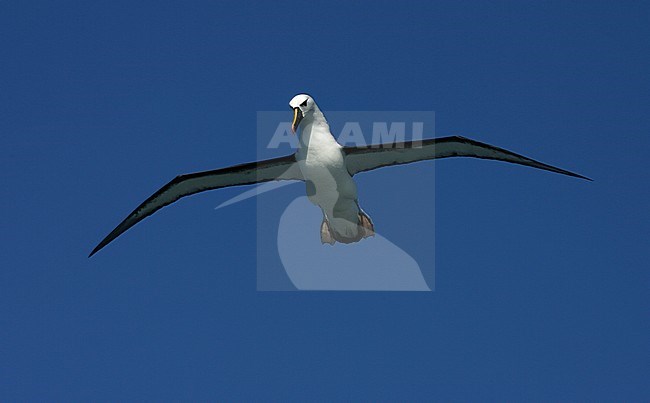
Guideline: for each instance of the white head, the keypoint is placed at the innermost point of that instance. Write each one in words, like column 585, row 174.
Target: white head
column 302, row 105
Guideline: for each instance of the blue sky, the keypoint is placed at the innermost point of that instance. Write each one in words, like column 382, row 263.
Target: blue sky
column 541, row 281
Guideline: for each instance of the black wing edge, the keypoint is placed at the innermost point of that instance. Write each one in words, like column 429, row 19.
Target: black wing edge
column 416, row 144
column 125, row 225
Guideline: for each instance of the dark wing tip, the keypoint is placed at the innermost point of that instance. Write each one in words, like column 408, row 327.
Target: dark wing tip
column 537, row 164
column 565, row 172
column 551, row 168
column 583, row 177
column 97, row 249
column 101, row 245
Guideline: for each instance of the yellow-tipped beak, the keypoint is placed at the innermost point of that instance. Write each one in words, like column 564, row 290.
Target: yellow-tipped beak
column 297, row 117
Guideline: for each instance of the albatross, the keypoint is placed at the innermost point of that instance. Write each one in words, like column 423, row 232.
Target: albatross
column 327, row 168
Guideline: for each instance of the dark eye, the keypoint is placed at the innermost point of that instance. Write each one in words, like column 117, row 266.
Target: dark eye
column 304, row 103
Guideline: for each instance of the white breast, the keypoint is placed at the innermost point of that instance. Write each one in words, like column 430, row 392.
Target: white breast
column 329, row 185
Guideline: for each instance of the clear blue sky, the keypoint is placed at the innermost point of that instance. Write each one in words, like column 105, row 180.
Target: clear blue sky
column 541, row 281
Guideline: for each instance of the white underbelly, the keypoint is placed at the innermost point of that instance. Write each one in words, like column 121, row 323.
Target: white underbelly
column 330, row 186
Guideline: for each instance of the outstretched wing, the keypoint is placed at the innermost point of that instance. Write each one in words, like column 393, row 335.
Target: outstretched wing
column 360, row 159
column 283, row 168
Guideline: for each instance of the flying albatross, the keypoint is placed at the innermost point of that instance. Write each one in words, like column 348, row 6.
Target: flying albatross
column 327, row 168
